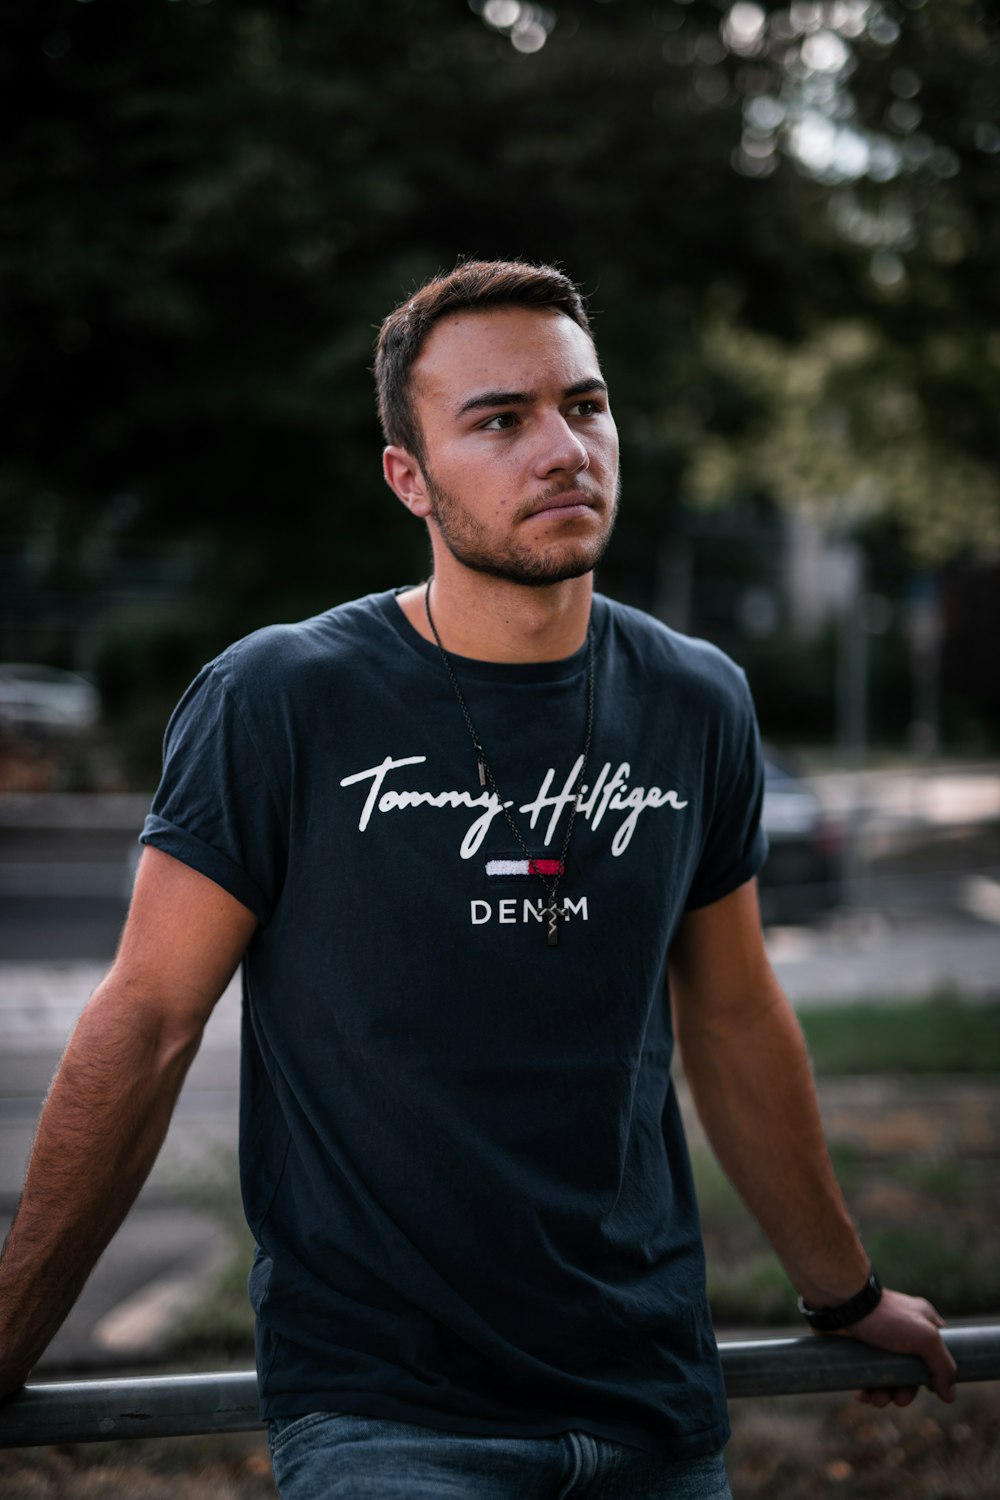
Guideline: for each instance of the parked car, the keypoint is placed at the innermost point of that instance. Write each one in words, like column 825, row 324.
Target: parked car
column 37, row 699
column 802, row 876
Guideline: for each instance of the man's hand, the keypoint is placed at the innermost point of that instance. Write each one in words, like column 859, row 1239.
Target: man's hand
column 906, row 1325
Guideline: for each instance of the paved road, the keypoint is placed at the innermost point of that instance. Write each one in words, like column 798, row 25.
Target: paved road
column 924, row 921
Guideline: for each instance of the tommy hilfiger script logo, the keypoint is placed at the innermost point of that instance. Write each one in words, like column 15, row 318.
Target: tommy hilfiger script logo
column 610, row 793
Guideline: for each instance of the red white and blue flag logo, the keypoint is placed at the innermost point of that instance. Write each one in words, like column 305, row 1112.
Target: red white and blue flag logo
column 524, row 869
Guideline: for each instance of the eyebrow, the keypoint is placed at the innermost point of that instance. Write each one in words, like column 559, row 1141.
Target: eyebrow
column 487, row 399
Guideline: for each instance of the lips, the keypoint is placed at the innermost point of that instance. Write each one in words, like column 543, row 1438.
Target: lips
column 569, row 500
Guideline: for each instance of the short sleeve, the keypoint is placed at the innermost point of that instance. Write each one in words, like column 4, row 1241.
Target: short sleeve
column 215, row 809
column 735, row 844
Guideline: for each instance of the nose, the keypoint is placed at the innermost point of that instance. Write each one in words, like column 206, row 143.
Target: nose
column 560, row 448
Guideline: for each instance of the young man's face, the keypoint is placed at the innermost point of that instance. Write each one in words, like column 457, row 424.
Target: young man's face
column 520, row 449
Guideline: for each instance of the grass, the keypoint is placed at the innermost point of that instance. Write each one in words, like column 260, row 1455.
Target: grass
column 751, row 1289
column 958, row 1272
column 940, row 1245
column 926, row 1214
column 218, row 1330
column 946, row 1181
column 942, row 1034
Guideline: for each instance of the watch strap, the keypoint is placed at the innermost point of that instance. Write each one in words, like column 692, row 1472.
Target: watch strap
column 831, row 1319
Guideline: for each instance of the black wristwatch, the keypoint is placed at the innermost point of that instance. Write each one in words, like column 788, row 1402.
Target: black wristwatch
column 831, row 1319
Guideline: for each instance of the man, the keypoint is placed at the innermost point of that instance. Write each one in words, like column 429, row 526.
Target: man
column 459, row 834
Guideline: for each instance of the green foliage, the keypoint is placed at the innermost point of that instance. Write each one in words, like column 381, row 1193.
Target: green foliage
column 219, row 1327
column 845, row 434
column 945, row 1181
column 925, row 1219
column 951, row 1271
column 942, row 1035
column 755, row 1290
column 206, row 210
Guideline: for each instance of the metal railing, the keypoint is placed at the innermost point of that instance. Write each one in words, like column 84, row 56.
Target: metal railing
column 93, row 1411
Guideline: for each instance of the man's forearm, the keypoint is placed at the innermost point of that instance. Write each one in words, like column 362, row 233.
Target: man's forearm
column 101, row 1128
column 749, row 1073
column 754, row 1092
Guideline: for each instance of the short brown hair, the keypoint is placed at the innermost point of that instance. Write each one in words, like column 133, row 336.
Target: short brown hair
column 473, row 286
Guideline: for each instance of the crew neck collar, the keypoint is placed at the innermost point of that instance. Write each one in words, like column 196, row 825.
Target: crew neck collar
column 495, row 671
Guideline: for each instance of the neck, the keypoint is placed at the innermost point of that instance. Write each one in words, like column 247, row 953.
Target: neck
column 490, row 619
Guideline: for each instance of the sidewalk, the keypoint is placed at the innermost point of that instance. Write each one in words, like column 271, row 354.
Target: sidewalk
column 41, row 1002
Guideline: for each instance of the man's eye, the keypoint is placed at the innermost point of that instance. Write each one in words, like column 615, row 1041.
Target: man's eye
column 588, row 408
column 502, row 422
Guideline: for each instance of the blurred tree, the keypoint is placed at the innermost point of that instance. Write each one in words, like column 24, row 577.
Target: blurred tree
column 845, row 434
column 206, row 208
column 887, row 406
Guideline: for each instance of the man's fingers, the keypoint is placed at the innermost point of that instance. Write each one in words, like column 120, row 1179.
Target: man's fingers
column 943, row 1368
column 903, row 1395
column 908, row 1325
column 939, row 1361
column 931, row 1313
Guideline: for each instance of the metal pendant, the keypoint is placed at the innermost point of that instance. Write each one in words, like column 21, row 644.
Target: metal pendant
column 553, row 913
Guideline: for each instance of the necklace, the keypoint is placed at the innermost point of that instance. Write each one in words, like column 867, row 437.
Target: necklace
column 551, row 911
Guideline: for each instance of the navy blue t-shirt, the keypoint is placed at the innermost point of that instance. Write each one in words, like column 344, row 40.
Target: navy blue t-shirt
column 461, row 1154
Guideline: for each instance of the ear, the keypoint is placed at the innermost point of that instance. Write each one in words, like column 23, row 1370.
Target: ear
column 405, row 478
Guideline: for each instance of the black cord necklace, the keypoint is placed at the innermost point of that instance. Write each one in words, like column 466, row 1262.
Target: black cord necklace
column 551, row 911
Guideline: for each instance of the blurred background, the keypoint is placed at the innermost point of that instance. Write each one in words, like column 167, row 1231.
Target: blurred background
column 787, row 220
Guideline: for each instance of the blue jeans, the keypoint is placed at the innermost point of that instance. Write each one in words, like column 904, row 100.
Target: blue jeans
column 327, row 1456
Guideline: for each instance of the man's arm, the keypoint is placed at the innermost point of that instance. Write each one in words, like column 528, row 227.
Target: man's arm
column 109, row 1106
column 749, row 1074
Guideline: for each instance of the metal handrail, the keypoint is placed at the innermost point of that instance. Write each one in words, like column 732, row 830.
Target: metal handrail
column 93, row 1411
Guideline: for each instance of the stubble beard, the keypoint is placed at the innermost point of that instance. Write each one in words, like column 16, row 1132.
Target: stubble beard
column 467, row 539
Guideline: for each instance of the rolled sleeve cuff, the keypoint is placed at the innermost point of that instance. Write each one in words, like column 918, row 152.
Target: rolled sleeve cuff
column 200, row 856
column 733, row 878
